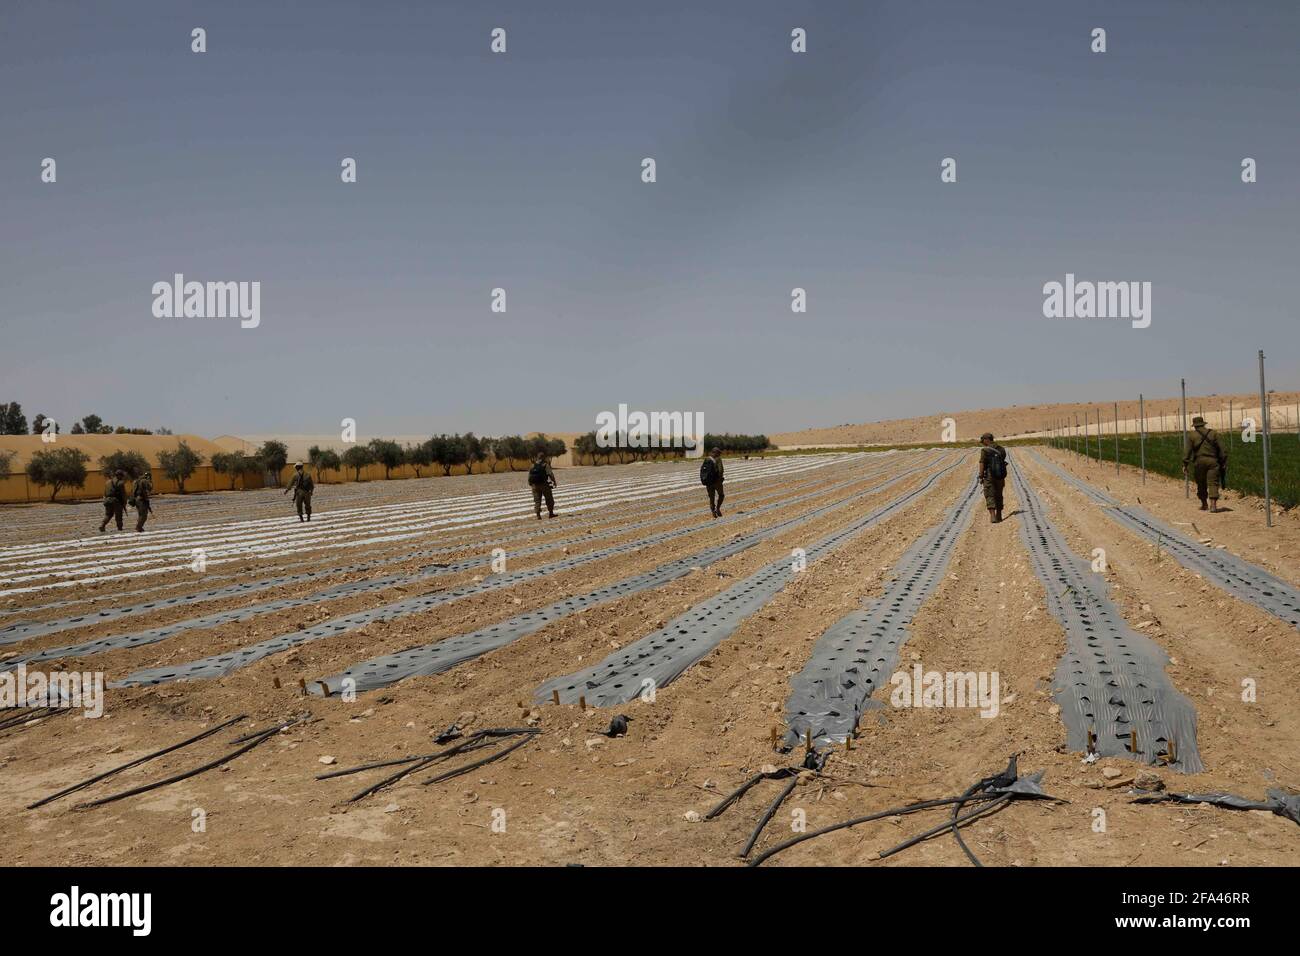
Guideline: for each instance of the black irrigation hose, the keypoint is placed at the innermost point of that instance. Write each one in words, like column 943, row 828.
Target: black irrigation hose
column 843, row 824
column 474, row 742
column 39, row 713
column 446, row 752
column 392, row 778
column 996, row 802
column 956, row 833
column 134, row 763
column 19, row 719
column 373, row 766
column 418, row 762
column 478, row 763
column 768, row 814
column 254, row 740
column 740, row 791
column 258, row 733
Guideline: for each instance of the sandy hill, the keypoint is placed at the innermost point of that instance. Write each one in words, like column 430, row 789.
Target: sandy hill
column 97, row 446
column 1032, row 419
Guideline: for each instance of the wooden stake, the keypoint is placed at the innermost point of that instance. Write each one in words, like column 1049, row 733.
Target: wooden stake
column 582, row 702
column 275, row 682
column 555, row 697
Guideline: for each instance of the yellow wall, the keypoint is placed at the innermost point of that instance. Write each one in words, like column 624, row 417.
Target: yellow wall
column 18, row 489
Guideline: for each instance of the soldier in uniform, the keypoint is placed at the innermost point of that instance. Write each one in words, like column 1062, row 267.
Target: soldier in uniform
column 140, row 493
column 541, row 479
column 302, row 486
column 114, row 499
column 714, row 484
column 993, row 475
column 1206, row 456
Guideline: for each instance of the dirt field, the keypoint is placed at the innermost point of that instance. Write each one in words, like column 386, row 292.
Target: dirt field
column 570, row 794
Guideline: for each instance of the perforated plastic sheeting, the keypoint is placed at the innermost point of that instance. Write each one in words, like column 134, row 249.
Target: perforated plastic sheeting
column 1243, row 580
column 1112, row 679
column 447, row 653
column 22, row 630
column 857, row 654
column 1279, row 801
column 347, row 589
column 662, row 656
column 221, row 664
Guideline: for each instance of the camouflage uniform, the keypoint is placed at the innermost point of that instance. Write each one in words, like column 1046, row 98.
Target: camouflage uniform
column 1205, row 455
column 716, row 494
column 543, row 490
column 140, row 495
column 302, row 486
column 992, row 486
column 114, row 502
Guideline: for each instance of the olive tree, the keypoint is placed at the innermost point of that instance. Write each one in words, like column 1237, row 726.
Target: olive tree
column 358, row 457
column 131, row 462
column 59, row 467
column 179, row 463
column 273, row 455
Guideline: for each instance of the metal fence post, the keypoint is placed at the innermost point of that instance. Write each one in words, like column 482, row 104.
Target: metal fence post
column 1142, row 436
column 1263, row 413
column 1117, row 439
column 1187, row 491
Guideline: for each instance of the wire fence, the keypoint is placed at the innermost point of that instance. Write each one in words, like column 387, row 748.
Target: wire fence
column 1262, row 442
column 1163, row 453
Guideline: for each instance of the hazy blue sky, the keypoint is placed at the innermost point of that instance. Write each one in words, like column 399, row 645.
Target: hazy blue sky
column 775, row 170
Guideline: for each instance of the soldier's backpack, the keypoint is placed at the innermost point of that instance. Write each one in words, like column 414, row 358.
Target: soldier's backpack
column 708, row 471
column 305, row 484
column 996, row 467
column 537, row 473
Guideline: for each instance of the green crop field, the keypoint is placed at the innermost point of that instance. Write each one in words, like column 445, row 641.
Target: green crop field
column 1164, row 454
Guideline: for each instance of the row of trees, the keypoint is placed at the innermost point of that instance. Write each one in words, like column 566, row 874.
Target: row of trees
column 440, row 451
column 14, row 422
column 630, row 449
column 60, row 468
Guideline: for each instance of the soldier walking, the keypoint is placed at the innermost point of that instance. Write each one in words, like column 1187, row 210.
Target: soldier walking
column 541, row 479
column 140, row 494
column 1206, row 456
column 993, row 475
column 711, row 477
column 302, row 486
column 114, row 499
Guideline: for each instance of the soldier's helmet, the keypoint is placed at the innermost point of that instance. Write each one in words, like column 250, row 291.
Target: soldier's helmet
column 987, row 436
column 715, row 450
column 1198, row 420
column 298, row 465
column 119, row 473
